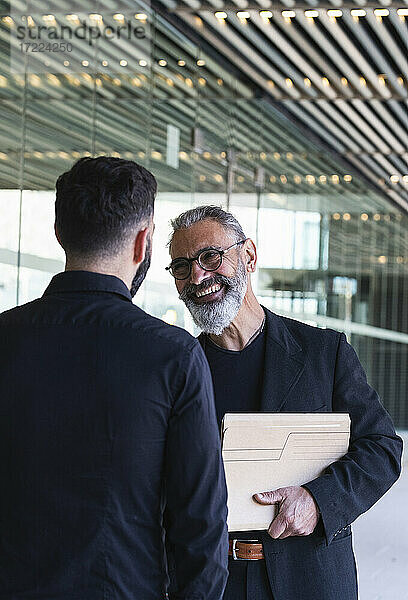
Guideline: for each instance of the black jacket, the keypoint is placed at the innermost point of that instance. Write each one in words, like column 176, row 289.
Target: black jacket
column 106, row 417
column 315, row 370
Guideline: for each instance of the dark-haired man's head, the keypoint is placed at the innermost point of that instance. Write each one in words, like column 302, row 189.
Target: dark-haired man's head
column 104, row 217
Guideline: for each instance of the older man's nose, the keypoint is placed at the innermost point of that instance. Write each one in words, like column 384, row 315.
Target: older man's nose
column 198, row 274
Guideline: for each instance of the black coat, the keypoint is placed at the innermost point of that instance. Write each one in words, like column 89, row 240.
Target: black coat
column 315, row 370
column 106, row 416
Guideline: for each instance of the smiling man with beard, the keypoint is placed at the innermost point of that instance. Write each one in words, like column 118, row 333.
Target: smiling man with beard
column 108, row 434
column 263, row 362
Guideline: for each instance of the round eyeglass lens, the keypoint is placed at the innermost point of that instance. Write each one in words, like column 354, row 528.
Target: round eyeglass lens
column 210, row 260
column 181, row 269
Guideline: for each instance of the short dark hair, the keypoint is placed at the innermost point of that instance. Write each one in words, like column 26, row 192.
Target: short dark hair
column 100, row 202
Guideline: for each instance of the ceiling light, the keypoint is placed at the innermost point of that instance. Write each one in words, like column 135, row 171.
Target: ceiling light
column 394, row 178
column 118, row 17
column 297, row 179
column 336, row 216
column 220, row 81
column 311, row 14
column 53, row 79
column 376, row 217
column 66, row 63
column 142, row 63
column 325, row 81
column 220, row 15
column 402, row 12
column 243, row 14
column 346, row 217
column 265, row 14
column 48, row 18
column 381, row 12
column 189, row 82
column 283, row 178
column 358, row 12
column 289, row 155
column 141, row 16
column 289, row 82
column 272, row 179
column 105, row 63
column 344, row 81
column 123, row 63
column 347, row 178
column 364, row 217
column 162, row 62
column 334, row 13
column 322, row 178
column 288, row 14
column 95, row 17
column 85, row 63
column 405, row 179
column 381, row 79
column 400, row 80
column 200, row 62
column 335, row 178
column 276, row 155
column 271, row 83
column 307, row 81
column 202, row 81
column 382, row 259
column 8, row 20
column 310, row 179
column 72, row 18
column 363, row 81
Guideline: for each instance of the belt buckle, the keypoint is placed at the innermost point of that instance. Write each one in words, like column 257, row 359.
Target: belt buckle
column 234, row 547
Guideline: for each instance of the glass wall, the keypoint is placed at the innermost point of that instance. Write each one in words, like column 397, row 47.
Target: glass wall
column 332, row 251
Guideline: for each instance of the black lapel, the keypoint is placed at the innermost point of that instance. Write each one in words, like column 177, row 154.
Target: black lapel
column 284, row 363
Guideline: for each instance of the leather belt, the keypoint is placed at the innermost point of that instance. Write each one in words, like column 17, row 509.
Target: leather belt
column 245, row 549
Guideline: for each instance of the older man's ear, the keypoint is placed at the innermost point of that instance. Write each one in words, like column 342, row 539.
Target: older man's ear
column 251, row 256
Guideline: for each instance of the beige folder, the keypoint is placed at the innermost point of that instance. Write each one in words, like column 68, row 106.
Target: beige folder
column 266, row 451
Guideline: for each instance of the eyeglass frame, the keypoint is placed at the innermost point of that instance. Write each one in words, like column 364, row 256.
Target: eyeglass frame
column 197, row 258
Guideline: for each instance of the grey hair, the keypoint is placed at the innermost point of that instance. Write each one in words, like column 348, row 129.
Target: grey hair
column 200, row 213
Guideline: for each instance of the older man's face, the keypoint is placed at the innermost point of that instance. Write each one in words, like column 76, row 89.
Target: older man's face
column 212, row 297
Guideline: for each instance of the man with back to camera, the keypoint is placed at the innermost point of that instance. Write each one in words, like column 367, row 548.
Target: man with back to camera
column 107, row 416
column 263, row 362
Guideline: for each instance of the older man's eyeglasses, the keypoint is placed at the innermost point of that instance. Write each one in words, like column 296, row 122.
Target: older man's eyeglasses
column 209, row 259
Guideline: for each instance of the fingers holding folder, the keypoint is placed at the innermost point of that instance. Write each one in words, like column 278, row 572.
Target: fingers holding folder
column 298, row 513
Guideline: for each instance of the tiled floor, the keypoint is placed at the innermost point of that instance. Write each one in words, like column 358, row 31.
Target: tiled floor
column 381, row 544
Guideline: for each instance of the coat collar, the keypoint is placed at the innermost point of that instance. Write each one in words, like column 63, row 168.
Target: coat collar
column 87, row 281
column 283, row 365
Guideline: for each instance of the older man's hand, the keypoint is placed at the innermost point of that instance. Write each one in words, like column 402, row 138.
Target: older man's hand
column 298, row 513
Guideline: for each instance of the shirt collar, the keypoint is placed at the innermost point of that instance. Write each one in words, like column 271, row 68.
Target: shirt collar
column 87, row 281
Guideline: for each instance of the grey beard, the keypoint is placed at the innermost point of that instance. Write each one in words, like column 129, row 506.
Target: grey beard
column 214, row 317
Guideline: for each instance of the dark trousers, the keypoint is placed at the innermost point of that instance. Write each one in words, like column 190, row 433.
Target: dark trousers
column 247, row 580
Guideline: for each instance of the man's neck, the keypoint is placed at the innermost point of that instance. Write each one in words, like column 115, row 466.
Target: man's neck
column 101, row 268
column 248, row 320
